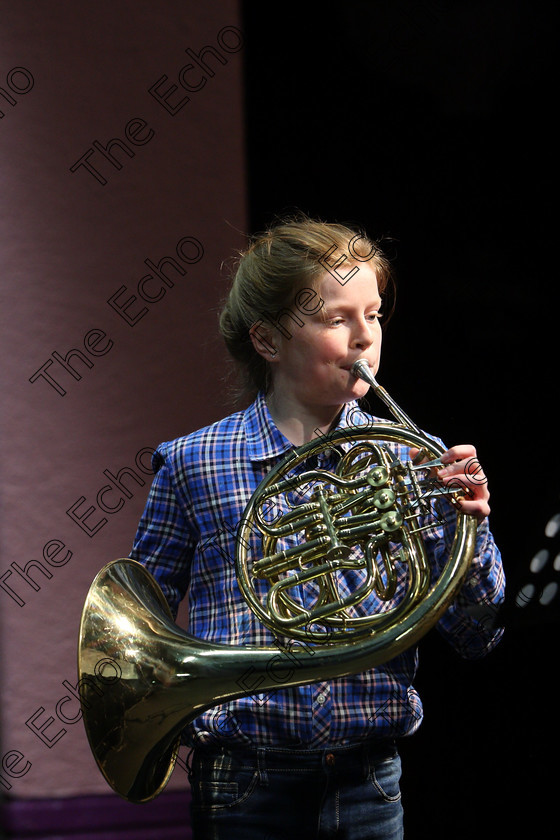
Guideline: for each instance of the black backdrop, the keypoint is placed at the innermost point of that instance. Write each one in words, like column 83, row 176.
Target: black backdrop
column 431, row 123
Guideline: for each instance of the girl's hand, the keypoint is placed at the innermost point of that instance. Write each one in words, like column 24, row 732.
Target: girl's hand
column 462, row 469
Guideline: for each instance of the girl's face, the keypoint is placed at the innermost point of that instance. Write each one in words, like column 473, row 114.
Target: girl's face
column 312, row 367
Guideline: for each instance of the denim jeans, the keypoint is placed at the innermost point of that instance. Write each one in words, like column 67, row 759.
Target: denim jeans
column 276, row 794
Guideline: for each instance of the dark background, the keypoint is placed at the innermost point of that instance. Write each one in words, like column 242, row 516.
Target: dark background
column 432, row 124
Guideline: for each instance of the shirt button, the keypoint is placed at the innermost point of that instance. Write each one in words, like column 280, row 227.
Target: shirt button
column 321, row 698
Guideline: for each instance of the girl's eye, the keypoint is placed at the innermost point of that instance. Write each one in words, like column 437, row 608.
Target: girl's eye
column 336, row 321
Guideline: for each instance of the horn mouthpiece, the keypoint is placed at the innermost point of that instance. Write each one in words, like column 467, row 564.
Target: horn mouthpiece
column 361, row 370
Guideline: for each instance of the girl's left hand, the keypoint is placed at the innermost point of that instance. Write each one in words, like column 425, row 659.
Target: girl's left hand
column 463, row 469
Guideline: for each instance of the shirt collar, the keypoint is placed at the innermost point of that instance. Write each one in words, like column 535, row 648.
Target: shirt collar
column 265, row 441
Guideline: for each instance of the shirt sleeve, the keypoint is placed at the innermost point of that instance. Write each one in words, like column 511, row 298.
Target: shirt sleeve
column 166, row 536
column 470, row 624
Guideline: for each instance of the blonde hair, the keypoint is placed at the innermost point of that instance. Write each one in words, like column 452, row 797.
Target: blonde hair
column 279, row 263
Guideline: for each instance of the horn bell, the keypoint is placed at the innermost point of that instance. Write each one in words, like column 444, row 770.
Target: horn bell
column 126, row 654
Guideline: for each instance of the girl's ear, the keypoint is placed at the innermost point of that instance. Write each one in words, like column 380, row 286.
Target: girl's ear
column 263, row 340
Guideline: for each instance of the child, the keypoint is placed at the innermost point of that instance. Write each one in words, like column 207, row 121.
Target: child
column 305, row 304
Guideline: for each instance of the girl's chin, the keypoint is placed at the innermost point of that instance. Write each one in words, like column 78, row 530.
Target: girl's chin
column 356, row 391
column 358, row 386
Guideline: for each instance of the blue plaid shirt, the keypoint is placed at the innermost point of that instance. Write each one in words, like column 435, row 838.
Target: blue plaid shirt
column 186, row 539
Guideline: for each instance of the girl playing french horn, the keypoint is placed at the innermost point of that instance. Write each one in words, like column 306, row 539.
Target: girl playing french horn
column 311, row 760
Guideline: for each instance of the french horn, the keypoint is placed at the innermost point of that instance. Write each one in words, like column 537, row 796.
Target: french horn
column 143, row 679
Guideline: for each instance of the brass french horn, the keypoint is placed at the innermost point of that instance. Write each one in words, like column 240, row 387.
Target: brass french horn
column 143, row 679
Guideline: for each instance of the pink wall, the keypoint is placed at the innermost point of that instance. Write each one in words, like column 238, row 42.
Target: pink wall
column 85, row 221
